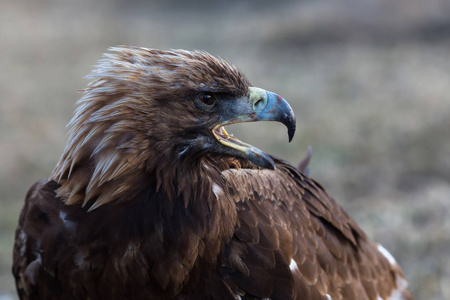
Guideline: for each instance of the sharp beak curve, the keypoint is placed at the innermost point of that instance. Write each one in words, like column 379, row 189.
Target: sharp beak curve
column 264, row 106
column 269, row 106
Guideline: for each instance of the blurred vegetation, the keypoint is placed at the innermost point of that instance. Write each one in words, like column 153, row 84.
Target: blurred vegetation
column 369, row 82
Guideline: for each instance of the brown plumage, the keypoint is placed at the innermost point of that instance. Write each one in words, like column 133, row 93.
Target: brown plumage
column 152, row 199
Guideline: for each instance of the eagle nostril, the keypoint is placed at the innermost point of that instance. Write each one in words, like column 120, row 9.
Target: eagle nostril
column 259, row 104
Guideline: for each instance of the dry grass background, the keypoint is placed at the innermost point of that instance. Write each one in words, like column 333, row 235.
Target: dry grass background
column 369, row 82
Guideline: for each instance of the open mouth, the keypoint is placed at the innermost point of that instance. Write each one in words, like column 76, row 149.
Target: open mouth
column 249, row 152
column 229, row 140
column 261, row 106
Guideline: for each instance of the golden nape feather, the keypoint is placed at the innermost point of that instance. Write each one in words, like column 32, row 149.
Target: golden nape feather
column 153, row 199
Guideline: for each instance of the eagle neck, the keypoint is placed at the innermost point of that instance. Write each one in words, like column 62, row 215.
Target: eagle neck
column 194, row 180
column 209, row 212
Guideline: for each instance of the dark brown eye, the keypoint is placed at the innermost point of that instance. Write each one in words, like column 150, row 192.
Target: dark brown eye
column 207, row 98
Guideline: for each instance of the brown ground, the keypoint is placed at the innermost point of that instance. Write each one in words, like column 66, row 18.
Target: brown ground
column 369, row 82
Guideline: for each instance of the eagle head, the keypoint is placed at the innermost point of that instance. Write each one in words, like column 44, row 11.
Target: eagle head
column 149, row 111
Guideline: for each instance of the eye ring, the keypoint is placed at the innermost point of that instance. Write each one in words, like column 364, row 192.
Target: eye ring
column 208, row 98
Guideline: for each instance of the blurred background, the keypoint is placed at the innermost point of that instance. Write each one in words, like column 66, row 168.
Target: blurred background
column 369, row 82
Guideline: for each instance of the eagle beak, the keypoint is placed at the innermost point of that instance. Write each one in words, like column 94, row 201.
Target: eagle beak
column 264, row 106
column 269, row 106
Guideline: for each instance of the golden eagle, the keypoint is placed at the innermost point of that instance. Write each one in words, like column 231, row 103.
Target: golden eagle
column 153, row 199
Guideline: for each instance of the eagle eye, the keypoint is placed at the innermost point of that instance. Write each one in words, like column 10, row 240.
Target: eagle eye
column 207, row 98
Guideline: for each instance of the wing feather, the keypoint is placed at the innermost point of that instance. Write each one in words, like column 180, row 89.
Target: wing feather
column 288, row 225
column 291, row 240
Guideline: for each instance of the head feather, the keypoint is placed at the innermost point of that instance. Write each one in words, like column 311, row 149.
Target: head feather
column 124, row 129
